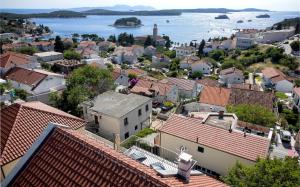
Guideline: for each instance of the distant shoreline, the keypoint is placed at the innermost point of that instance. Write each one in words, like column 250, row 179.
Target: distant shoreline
column 68, row 13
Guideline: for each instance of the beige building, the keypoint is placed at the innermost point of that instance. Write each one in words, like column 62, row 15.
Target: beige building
column 215, row 142
column 116, row 113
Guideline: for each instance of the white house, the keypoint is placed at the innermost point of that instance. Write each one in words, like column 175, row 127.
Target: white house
column 88, row 44
column 49, row 56
column 231, row 76
column 203, row 66
column 122, row 76
column 275, row 79
column 36, row 82
column 150, row 51
column 272, row 36
column 246, row 38
column 127, row 54
column 157, row 90
column 116, row 113
column 186, row 88
column 183, row 51
column 296, row 97
column 215, row 141
column 187, row 61
column 10, row 60
column 244, row 43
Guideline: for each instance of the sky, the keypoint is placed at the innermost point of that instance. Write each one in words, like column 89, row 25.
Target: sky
column 276, row 5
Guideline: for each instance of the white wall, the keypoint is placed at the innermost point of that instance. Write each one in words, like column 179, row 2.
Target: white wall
column 284, row 86
column 212, row 159
column 50, row 82
column 202, row 67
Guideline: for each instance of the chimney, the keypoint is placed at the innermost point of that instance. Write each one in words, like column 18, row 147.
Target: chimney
column 185, row 165
column 117, row 141
column 221, row 114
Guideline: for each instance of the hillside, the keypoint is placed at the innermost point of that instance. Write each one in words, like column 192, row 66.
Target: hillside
column 55, row 14
column 293, row 22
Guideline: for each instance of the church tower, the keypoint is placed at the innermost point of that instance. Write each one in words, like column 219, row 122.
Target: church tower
column 155, row 31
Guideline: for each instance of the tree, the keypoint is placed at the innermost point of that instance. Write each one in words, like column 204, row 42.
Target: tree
column 83, row 83
column 197, row 74
column 148, row 41
column 112, row 38
column 232, row 63
column 265, row 173
column 275, row 54
column 20, row 93
column 297, row 83
column 168, row 41
column 217, row 54
column 58, row 45
column 295, row 45
column 28, row 50
column 255, row 114
column 170, row 53
column 201, row 47
column 71, row 55
column 174, row 64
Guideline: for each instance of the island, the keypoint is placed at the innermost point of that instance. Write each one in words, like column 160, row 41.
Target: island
column 263, row 16
column 222, row 17
column 131, row 22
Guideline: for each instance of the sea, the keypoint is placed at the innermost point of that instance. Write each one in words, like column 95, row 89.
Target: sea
column 183, row 28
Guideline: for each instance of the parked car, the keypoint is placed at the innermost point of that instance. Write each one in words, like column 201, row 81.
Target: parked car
column 285, row 136
column 155, row 104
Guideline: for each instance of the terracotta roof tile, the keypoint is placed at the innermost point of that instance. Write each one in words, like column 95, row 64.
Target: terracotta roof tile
column 242, row 96
column 22, row 123
column 10, row 59
column 183, row 84
column 246, row 86
column 25, row 76
column 208, row 82
column 215, row 96
column 249, row 147
column 69, row 158
column 231, row 70
column 274, row 74
column 147, row 85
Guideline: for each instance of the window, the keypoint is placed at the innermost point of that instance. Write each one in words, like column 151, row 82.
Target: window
column 125, row 121
column 126, row 135
column 140, row 112
column 136, row 127
column 147, row 108
column 200, row 149
column 96, row 120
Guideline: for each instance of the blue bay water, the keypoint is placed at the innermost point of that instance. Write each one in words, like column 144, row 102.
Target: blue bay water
column 183, row 28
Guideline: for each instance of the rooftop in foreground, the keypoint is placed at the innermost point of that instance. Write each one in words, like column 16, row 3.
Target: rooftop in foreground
column 63, row 157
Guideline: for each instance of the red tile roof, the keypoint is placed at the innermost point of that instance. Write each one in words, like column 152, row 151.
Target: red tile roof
column 274, row 74
column 144, row 86
column 242, row 96
column 297, row 91
column 215, row 96
column 191, row 129
column 135, row 71
column 246, row 86
column 10, row 59
column 25, row 76
column 22, row 123
column 69, row 158
column 183, row 84
column 207, row 82
column 230, row 71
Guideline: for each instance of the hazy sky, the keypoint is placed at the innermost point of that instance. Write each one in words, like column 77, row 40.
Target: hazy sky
column 159, row 4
